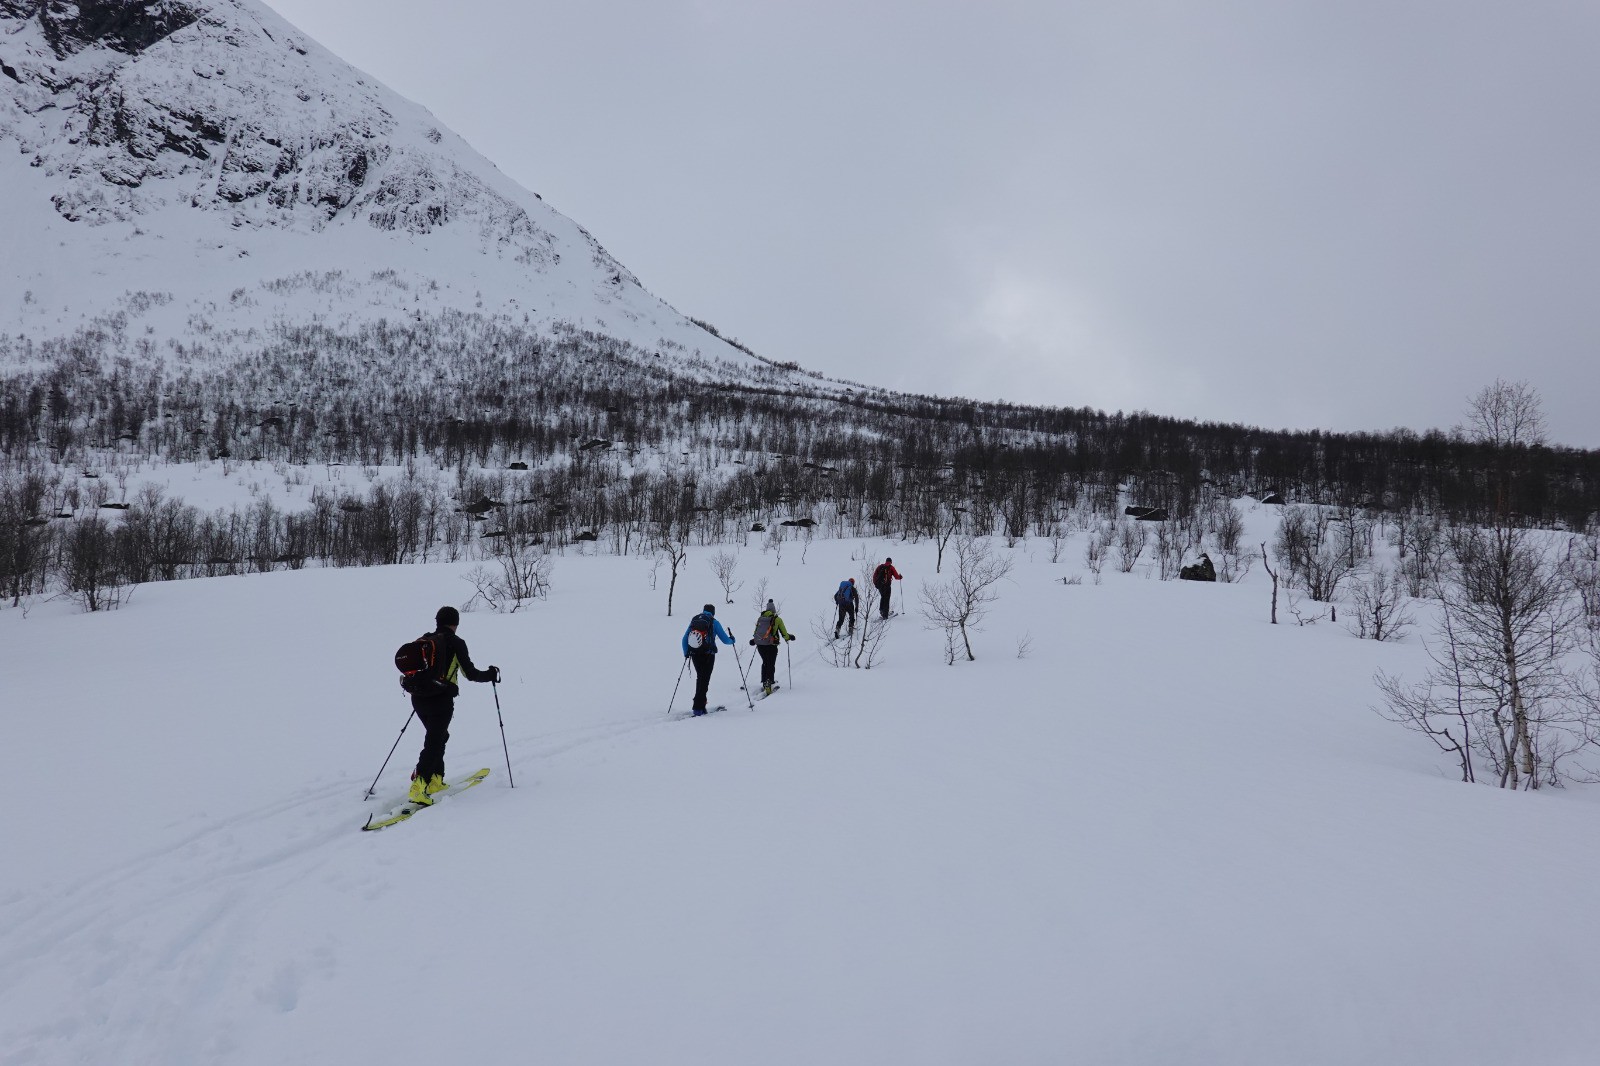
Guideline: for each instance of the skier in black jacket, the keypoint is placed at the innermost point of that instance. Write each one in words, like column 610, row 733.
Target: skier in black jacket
column 434, row 699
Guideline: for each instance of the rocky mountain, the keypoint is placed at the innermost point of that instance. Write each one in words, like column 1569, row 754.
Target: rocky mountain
column 187, row 164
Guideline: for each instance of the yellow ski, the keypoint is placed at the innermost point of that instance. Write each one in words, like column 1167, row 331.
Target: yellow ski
column 407, row 809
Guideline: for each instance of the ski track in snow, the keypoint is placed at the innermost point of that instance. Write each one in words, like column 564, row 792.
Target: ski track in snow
column 223, row 889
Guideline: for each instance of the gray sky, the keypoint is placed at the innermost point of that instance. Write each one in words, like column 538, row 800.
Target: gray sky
column 1343, row 215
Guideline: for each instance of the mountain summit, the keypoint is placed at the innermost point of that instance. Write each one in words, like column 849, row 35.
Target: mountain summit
column 200, row 149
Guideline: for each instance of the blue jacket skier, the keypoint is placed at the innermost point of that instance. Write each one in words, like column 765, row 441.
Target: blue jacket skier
column 847, row 599
column 700, row 647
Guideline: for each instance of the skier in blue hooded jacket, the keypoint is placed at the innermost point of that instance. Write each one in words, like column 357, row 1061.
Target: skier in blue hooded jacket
column 700, row 647
column 847, row 599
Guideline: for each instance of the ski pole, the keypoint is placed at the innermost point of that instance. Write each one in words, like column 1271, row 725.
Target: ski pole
column 389, row 756
column 681, row 669
column 496, row 686
column 747, row 697
column 788, row 657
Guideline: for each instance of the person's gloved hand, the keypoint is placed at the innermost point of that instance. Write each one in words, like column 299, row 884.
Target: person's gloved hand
column 494, row 674
column 752, row 641
column 791, row 638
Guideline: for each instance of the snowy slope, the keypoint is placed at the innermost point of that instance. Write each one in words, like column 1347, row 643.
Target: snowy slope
column 1173, row 834
column 211, row 155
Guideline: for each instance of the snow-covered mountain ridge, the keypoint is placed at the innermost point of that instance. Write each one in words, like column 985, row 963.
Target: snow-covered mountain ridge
column 191, row 150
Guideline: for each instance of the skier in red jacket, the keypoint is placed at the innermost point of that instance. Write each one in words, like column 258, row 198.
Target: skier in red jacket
column 882, row 580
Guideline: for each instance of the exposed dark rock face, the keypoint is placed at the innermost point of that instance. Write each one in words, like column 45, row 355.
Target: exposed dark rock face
column 1200, row 571
column 128, row 26
column 130, row 107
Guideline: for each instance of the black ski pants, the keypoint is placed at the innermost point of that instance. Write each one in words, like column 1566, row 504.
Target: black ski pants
column 846, row 610
column 704, row 663
column 883, row 600
column 769, row 663
column 434, row 714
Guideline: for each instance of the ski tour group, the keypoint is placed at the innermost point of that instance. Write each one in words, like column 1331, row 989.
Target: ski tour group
column 700, row 639
column 431, row 666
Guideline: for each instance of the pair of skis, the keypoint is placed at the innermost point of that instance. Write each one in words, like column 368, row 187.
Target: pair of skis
column 400, row 812
column 718, row 708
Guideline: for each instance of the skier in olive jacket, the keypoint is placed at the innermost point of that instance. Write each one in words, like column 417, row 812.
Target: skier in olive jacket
column 769, row 630
column 433, row 697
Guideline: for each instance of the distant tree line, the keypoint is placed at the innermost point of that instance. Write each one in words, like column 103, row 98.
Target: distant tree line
column 576, row 436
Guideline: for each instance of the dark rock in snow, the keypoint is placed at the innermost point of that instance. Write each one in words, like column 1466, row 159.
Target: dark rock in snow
column 1200, row 571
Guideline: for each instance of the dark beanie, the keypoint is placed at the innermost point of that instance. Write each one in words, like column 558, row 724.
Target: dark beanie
column 710, row 608
column 447, row 616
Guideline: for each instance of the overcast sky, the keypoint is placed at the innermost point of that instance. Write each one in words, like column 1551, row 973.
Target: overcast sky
column 1342, row 215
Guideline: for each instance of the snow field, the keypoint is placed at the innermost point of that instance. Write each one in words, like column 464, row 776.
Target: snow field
column 1171, row 834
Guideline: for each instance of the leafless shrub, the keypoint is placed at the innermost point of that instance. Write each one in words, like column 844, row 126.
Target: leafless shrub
column 670, row 545
column 1097, row 547
column 958, row 604
column 1131, row 539
column 869, row 649
column 1302, row 615
column 1581, row 569
column 835, row 651
column 517, row 574
column 1233, row 566
column 1170, row 543
column 91, row 572
column 1352, row 536
column 1438, row 712
column 1227, row 525
column 952, row 646
column 1307, row 553
column 725, row 564
column 1379, row 603
column 1423, row 566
